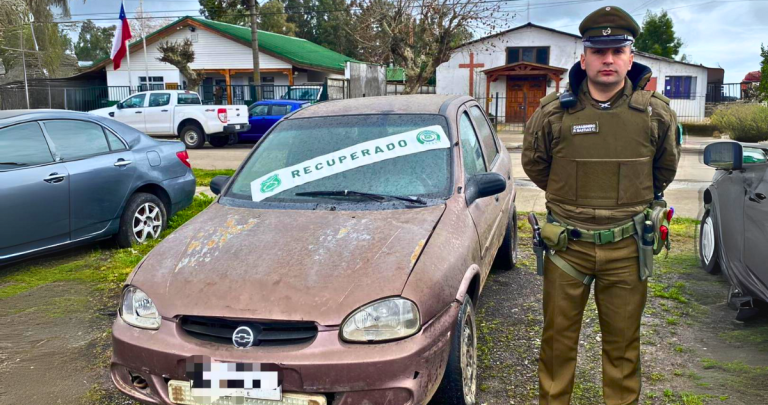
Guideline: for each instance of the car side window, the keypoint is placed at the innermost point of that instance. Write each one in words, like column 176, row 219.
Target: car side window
column 188, row 99
column 159, row 99
column 486, row 135
column 76, row 139
column 114, row 142
column 136, row 101
column 23, row 145
column 471, row 155
column 280, row 109
column 259, row 110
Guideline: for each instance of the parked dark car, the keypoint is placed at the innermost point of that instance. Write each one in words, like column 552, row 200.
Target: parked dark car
column 263, row 115
column 68, row 177
column 345, row 256
column 734, row 228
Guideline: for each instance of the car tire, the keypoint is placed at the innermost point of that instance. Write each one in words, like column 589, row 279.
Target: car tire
column 459, row 384
column 708, row 246
column 218, row 141
column 144, row 218
column 192, row 136
column 506, row 257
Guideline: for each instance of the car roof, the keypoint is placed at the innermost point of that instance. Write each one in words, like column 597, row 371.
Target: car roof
column 411, row 104
column 263, row 102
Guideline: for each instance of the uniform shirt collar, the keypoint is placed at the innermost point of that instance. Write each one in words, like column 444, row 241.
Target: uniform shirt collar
column 624, row 94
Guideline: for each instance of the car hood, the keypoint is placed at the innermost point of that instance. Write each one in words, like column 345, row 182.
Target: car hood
column 284, row 264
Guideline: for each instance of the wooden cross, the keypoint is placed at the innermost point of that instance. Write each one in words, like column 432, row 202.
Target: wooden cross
column 471, row 66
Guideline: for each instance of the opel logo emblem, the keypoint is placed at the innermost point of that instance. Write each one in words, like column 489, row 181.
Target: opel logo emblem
column 243, row 337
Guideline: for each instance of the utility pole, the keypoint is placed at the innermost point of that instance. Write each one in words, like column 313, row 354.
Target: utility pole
column 255, row 46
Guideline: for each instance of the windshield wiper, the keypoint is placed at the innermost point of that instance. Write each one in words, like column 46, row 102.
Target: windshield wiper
column 372, row 196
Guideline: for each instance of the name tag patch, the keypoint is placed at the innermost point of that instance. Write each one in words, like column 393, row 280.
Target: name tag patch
column 584, row 129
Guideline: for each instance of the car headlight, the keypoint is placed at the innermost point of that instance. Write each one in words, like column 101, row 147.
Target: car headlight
column 138, row 309
column 388, row 319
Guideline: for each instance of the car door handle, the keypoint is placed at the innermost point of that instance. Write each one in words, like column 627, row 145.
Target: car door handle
column 496, row 197
column 54, row 178
column 137, row 112
column 163, row 110
column 122, row 162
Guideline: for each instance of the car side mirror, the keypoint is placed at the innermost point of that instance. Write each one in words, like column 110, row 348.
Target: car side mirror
column 484, row 185
column 119, row 106
column 724, row 155
column 218, row 183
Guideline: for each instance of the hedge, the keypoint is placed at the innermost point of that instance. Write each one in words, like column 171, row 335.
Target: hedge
column 743, row 122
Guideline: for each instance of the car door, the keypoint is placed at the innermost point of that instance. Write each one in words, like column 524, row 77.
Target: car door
column 495, row 163
column 756, row 215
column 101, row 171
column 34, row 192
column 258, row 119
column 131, row 112
column 158, row 116
column 484, row 211
column 277, row 112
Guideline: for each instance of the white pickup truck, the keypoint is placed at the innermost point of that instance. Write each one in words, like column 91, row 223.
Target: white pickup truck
column 180, row 113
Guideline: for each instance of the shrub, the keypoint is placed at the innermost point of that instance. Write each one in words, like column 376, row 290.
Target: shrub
column 743, row 122
column 699, row 128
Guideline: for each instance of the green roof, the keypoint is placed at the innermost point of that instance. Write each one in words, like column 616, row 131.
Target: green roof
column 300, row 51
column 395, row 74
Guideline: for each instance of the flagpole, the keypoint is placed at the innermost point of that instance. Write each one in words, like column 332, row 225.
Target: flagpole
column 144, row 41
column 128, row 54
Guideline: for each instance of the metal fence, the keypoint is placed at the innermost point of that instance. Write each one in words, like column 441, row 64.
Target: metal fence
column 396, row 89
column 76, row 99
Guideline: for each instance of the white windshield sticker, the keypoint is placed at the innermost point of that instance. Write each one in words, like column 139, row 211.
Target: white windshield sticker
column 362, row 154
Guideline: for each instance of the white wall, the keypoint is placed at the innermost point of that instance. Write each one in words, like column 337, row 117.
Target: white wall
column 565, row 50
column 212, row 51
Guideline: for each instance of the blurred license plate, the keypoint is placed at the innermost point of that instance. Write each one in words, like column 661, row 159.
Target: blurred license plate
column 237, row 126
column 180, row 392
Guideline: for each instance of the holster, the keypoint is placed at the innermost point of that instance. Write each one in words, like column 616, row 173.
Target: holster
column 539, row 251
column 657, row 214
column 644, row 253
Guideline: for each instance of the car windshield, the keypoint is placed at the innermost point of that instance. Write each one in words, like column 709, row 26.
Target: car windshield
column 299, row 155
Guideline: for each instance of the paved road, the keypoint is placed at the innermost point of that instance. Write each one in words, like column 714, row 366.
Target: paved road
column 684, row 193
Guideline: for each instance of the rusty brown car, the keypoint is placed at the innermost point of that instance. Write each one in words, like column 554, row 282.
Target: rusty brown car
column 340, row 264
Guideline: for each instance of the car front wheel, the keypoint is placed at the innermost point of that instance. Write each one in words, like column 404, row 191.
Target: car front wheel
column 708, row 244
column 459, row 384
column 144, row 219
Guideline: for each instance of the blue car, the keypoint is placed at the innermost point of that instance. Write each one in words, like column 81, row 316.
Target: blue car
column 68, row 177
column 263, row 115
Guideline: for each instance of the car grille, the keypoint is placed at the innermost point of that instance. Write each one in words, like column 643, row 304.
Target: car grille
column 220, row 330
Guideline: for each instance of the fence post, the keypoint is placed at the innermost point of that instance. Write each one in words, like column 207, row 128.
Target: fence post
column 49, row 96
column 496, row 109
column 65, row 99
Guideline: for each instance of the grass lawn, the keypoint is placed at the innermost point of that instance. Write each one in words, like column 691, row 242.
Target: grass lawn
column 204, row 177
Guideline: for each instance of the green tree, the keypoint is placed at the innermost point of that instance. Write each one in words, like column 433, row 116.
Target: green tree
column 299, row 13
column 228, row 11
column 273, row 19
column 658, row 36
column 762, row 88
column 334, row 20
column 94, row 42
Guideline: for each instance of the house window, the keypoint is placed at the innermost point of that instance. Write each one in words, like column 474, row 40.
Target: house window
column 538, row 55
column 155, row 83
column 680, row 87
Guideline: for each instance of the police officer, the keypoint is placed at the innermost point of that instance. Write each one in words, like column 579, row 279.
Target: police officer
column 601, row 150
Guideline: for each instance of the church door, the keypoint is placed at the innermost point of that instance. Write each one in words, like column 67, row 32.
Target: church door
column 523, row 97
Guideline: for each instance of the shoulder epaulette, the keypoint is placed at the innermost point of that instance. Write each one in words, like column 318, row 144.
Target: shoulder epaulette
column 661, row 97
column 549, row 98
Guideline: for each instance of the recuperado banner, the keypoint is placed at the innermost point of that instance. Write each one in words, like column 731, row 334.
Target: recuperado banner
column 366, row 153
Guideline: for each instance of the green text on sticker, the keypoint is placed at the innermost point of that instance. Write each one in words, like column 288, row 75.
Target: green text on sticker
column 271, row 183
column 428, row 137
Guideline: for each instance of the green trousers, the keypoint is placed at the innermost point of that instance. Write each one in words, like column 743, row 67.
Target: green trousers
column 620, row 298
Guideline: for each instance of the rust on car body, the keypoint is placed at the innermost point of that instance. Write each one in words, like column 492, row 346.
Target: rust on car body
column 316, row 267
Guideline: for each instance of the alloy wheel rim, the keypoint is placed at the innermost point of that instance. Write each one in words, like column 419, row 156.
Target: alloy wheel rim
column 191, row 137
column 468, row 360
column 147, row 222
column 707, row 240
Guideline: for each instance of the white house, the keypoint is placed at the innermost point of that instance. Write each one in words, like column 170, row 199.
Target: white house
column 223, row 52
column 512, row 70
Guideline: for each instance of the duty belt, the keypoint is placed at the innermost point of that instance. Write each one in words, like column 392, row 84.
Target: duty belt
column 600, row 237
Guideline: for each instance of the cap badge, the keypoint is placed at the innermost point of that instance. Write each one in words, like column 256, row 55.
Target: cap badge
column 607, row 31
column 607, row 9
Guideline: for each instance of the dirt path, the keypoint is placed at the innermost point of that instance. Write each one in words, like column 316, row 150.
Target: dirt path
column 687, row 356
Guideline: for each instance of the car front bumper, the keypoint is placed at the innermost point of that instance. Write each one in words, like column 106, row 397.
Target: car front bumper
column 235, row 128
column 397, row 373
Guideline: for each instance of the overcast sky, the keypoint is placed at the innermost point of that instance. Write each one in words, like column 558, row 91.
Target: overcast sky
column 724, row 33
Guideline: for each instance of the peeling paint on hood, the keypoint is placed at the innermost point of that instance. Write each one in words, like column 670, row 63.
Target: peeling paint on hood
column 285, row 265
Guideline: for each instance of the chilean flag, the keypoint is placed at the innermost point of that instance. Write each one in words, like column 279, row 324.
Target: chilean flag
column 122, row 35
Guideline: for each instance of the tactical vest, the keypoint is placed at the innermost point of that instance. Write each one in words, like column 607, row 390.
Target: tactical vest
column 604, row 158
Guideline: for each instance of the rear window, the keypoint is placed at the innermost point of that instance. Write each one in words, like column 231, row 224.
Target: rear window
column 280, row 109
column 189, row 98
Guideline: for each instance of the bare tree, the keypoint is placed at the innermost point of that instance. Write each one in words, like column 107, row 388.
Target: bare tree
column 151, row 23
column 421, row 34
column 180, row 54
